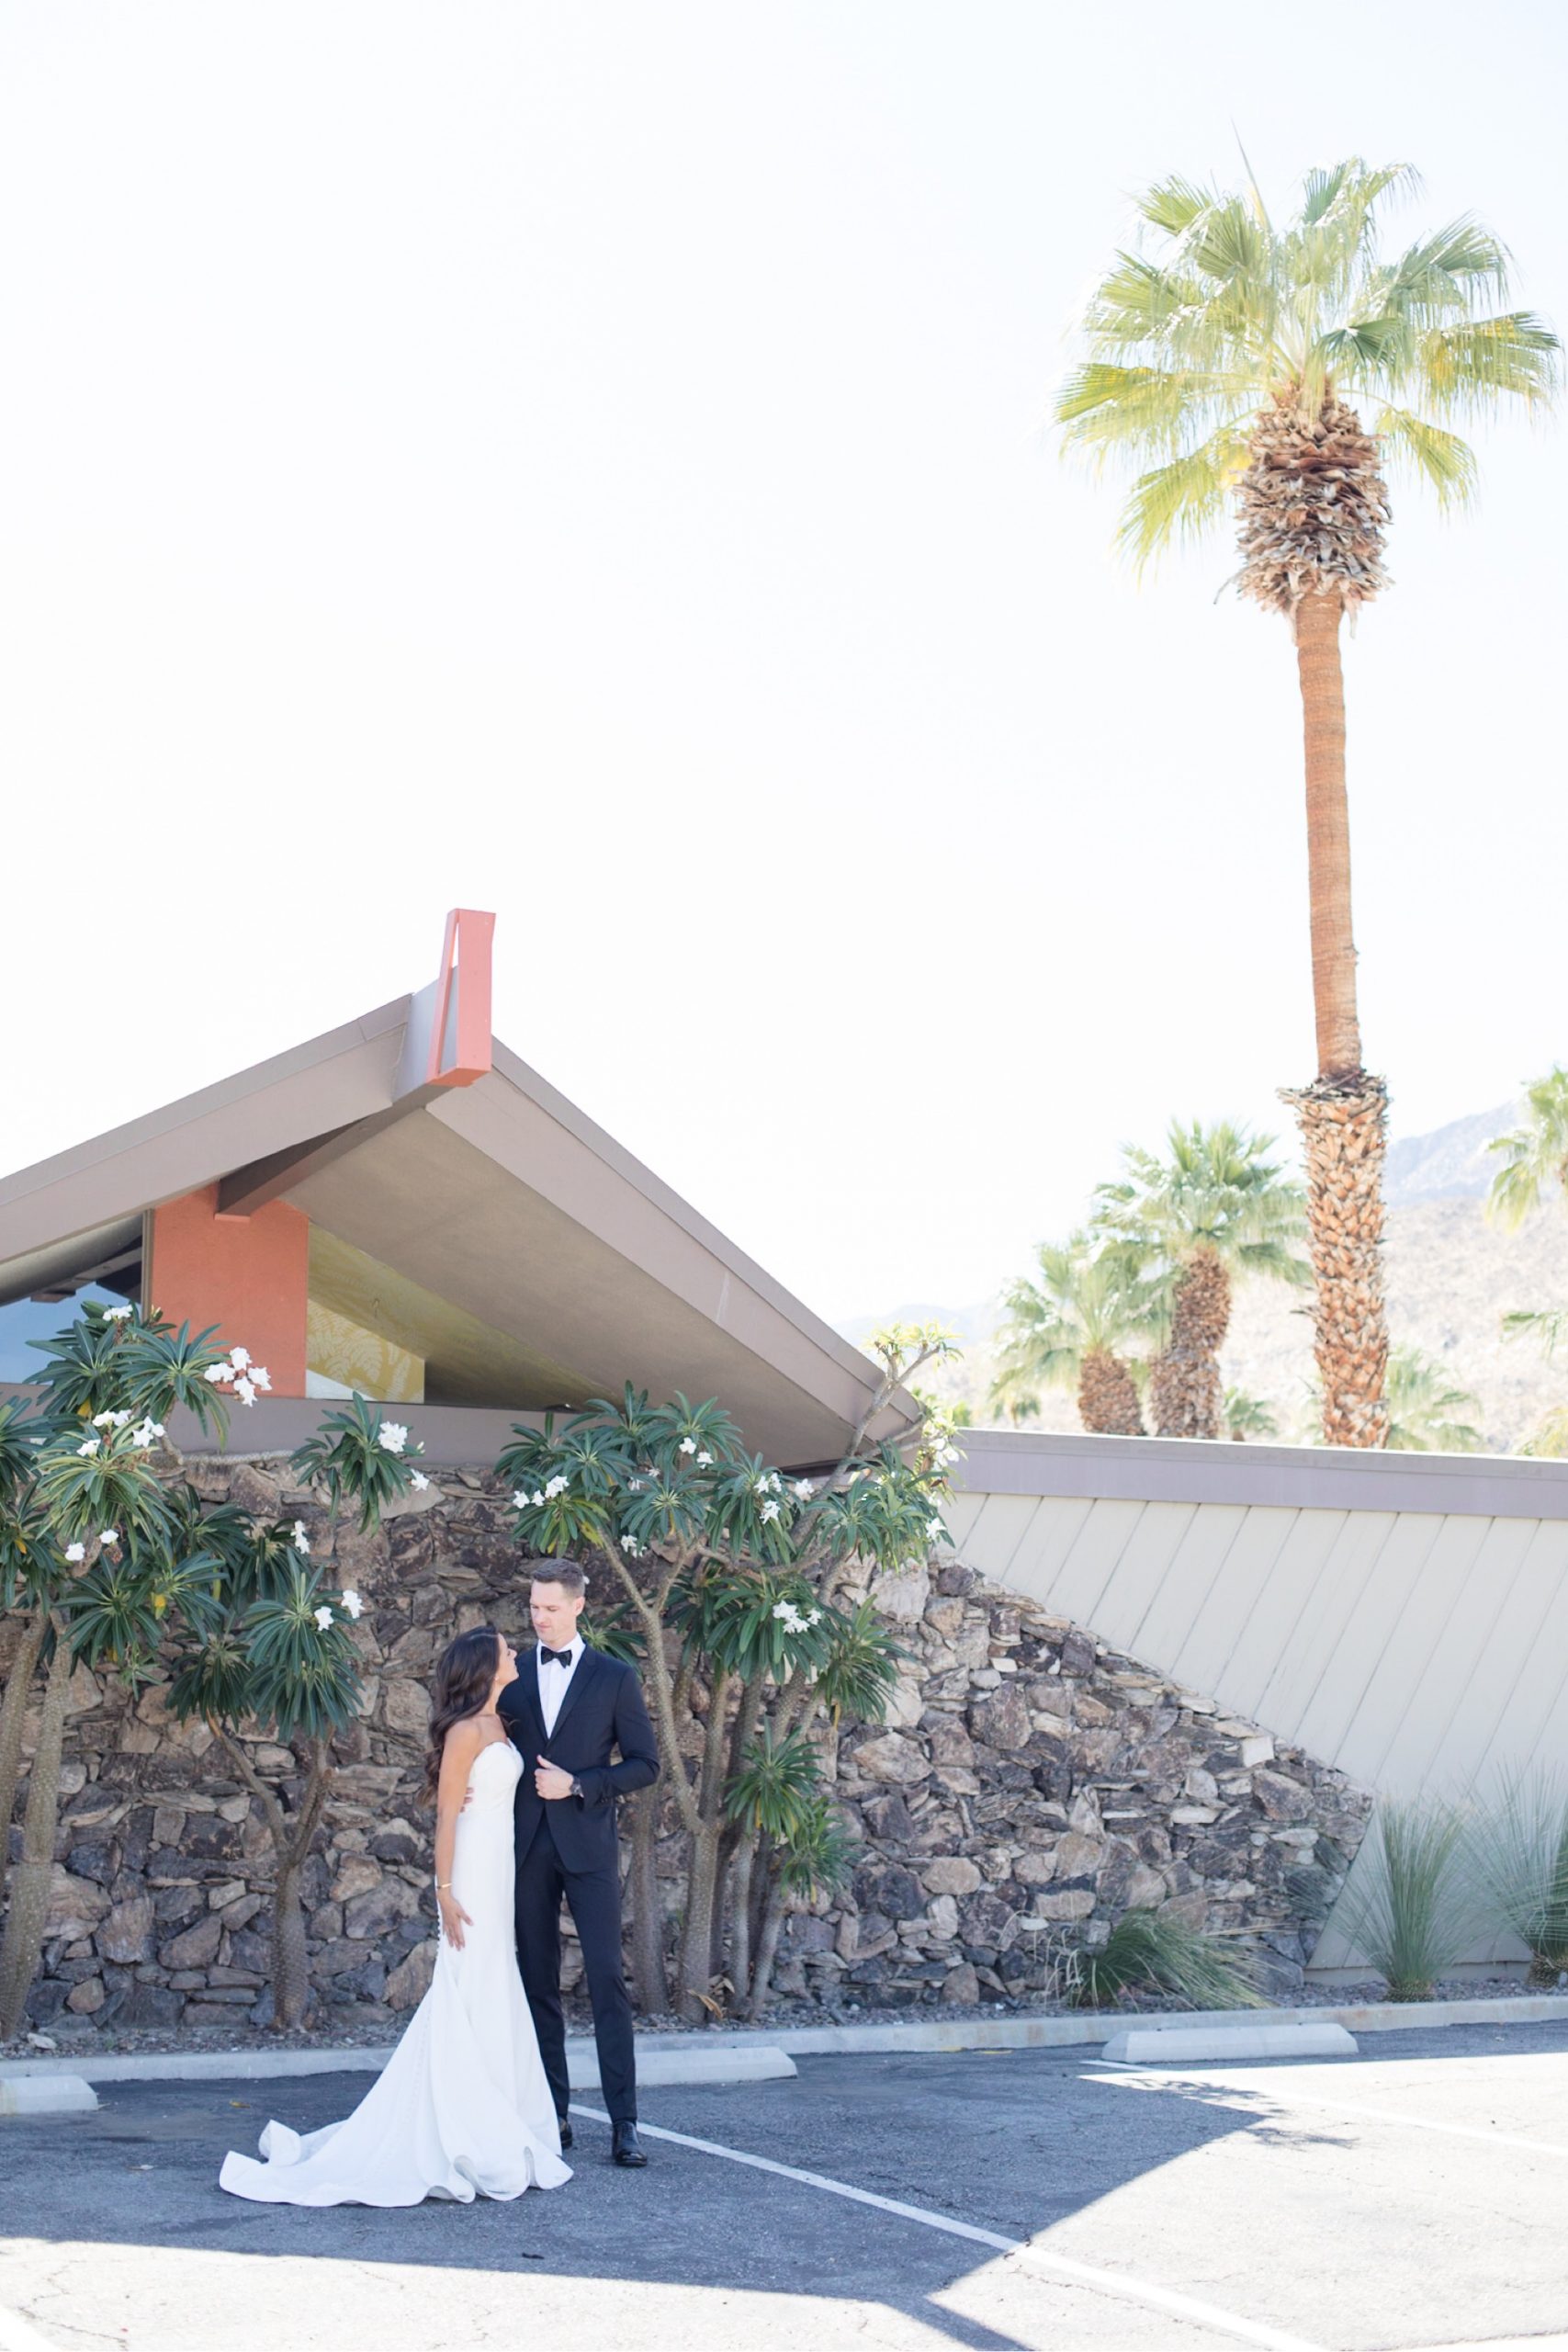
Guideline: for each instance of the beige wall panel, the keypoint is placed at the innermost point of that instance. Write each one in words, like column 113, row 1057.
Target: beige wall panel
column 1321, row 1620
column 1397, row 1690
column 1443, row 1706
column 997, row 1533
column 1204, row 1656
column 1089, row 1560
column 962, row 1513
column 1534, row 1700
column 1178, row 1600
column 1282, row 1600
column 1145, row 1562
column 1038, row 1561
column 1498, row 1659
column 1389, row 1589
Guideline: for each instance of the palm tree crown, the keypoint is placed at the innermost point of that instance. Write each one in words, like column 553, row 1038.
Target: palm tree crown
column 1222, row 325
column 1535, row 1155
column 1068, row 1327
column 1216, row 1208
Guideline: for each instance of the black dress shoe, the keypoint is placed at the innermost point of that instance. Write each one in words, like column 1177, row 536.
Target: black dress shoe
column 565, row 2132
column 626, row 2148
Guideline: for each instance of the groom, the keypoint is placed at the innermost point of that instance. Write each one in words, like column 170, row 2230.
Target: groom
column 569, row 1707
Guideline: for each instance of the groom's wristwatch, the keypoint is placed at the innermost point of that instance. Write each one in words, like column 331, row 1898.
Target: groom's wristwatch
column 576, row 1787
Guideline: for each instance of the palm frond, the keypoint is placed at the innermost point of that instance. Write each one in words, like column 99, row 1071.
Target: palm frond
column 1441, row 460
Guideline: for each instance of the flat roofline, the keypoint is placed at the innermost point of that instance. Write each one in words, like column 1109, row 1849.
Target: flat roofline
column 1299, row 1477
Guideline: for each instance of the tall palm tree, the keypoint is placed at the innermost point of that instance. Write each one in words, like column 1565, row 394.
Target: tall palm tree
column 1214, row 1209
column 1535, row 1155
column 1223, row 356
column 1068, row 1327
column 1426, row 1410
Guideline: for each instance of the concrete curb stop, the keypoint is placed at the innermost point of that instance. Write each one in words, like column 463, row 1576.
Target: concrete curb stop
column 1223, row 2045
column 51, row 2094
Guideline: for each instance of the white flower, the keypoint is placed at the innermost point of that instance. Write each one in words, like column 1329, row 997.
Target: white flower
column 110, row 1420
column 75, row 1554
column 761, row 1485
column 260, row 1377
column 520, row 1501
column 245, row 1390
column 803, row 1490
column 89, row 1446
column 557, row 1485
column 353, row 1603
column 324, row 1618
column 537, row 1496
column 118, row 1314
column 688, row 1445
column 418, row 1481
column 631, row 1547
column 770, row 1509
column 704, row 1461
column 935, row 1529
column 783, row 1610
column 637, row 1486
column 109, row 1535
column 392, row 1436
column 301, row 1541
column 239, row 1358
column 217, row 1371
column 814, row 1618
column 147, row 1432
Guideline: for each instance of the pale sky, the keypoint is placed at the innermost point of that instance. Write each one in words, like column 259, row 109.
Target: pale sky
column 589, row 462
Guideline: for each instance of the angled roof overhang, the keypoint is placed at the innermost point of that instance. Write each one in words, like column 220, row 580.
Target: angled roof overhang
column 489, row 1225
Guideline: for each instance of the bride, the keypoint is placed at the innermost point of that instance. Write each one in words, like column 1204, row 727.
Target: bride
column 462, row 2107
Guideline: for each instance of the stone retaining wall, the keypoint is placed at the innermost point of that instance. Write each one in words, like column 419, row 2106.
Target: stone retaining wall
column 1027, row 1788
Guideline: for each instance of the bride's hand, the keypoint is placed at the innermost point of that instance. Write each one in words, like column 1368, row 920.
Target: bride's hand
column 453, row 1919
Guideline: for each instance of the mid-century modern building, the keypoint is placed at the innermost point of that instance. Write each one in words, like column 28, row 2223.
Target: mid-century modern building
column 405, row 1207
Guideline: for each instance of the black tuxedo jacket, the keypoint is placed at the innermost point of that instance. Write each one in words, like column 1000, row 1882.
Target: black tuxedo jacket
column 603, row 1709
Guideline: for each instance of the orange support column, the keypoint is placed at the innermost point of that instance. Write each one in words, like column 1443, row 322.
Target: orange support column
column 246, row 1274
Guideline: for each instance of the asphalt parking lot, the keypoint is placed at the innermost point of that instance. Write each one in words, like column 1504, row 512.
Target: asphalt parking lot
column 1412, row 2197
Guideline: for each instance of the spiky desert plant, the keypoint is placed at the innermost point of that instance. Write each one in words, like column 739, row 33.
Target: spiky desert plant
column 1229, row 361
column 1160, row 1951
column 1214, row 1210
column 1070, row 1325
column 1425, row 1409
column 1517, row 1841
column 1411, row 1906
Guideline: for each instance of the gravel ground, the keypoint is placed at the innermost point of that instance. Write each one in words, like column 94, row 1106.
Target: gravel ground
column 340, row 2030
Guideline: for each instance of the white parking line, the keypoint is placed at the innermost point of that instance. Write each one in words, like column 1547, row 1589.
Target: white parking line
column 1029, row 2255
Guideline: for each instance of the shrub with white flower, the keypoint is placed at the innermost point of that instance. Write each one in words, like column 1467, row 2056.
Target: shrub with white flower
column 740, row 1581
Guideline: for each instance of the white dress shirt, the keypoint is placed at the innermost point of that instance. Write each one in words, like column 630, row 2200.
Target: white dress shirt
column 554, row 1679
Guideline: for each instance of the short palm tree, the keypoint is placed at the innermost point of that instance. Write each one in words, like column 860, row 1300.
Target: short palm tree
column 1223, row 359
column 1426, row 1411
column 1535, row 1155
column 1069, row 1326
column 1246, row 1416
column 1216, row 1208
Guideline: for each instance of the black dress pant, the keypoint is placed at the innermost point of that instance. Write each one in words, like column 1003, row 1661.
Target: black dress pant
column 594, row 1898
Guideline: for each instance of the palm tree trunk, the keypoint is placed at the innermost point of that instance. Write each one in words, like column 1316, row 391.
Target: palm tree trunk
column 30, row 1882
column 1344, row 1115
column 1328, row 837
column 13, row 1722
column 1184, row 1388
column 1108, row 1399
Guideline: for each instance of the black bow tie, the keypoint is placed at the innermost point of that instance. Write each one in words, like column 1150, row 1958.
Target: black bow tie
column 557, row 1657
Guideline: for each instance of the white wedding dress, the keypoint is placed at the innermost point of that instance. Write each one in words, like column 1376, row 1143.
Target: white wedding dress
column 462, row 2108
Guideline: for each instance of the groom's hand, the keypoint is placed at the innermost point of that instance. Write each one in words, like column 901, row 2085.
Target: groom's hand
column 550, row 1782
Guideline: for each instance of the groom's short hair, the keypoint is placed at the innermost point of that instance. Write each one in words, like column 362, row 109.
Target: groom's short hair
column 565, row 1572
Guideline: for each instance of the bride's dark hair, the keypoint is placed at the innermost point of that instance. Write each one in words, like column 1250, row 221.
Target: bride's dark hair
column 464, row 1673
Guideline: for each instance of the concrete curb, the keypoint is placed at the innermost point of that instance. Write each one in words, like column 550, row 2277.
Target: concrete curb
column 679, row 2059
column 1220, row 2045
column 980, row 2032
column 50, row 2094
